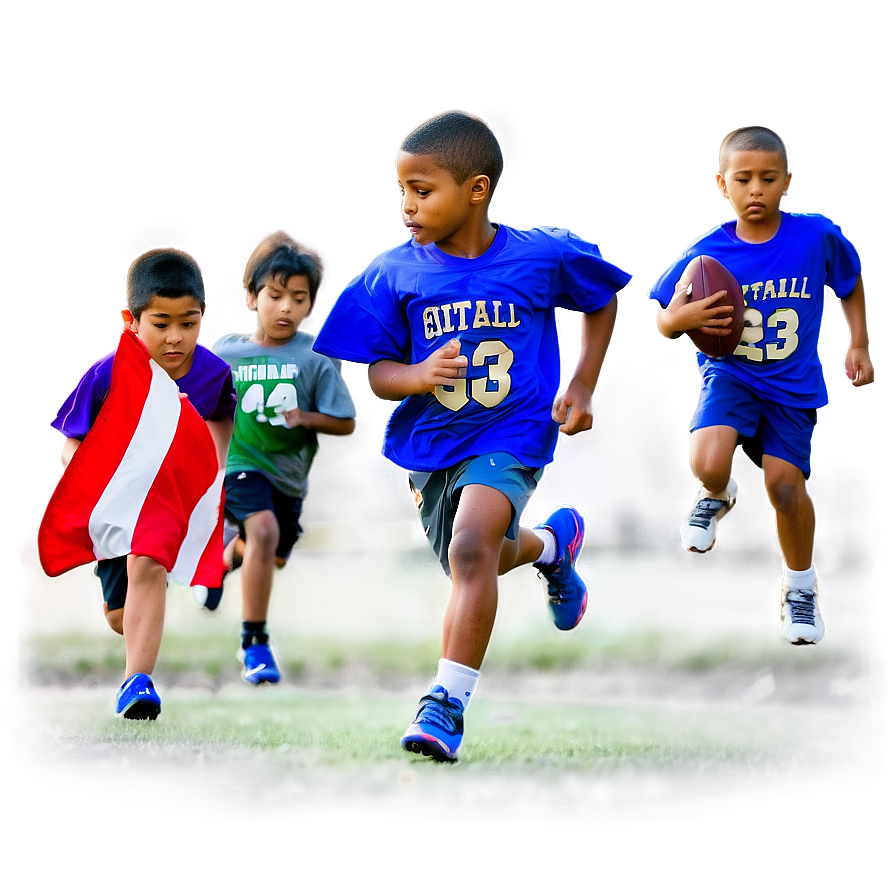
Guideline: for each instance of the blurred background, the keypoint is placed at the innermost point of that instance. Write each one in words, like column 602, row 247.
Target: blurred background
column 206, row 127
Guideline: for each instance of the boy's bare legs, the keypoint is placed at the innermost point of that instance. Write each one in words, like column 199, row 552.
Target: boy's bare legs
column 801, row 621
column 115, row 618
column 262, row 535
column 259, row 558
column 794, row 511
column 143, row 619
column 478, row 554
column 711, row 456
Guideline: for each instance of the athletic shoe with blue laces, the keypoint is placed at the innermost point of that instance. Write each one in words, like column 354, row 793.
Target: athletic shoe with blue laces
column 698, row 528
column 137, row 699
column 439, row 727
column 801, row 621
column 567, row 592
column 258, row 664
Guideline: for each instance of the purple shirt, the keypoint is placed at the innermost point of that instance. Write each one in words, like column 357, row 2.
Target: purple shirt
column 208, row 384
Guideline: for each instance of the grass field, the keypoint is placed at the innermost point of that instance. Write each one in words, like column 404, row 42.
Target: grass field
column 286, row 747
column 659, row 744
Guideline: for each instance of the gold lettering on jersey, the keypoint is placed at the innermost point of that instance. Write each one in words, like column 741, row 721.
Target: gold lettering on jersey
column 784, row 288
column 447, row 326
column 462, row 308
column 432, row 326
column 482, row 319
column 452, row 317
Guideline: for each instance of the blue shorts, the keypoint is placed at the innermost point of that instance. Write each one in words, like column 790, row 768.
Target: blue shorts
column 247, row 492
column 437, row 494
column 763, row 426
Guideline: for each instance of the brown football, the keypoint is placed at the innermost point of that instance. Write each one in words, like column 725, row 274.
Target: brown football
column 705, row 276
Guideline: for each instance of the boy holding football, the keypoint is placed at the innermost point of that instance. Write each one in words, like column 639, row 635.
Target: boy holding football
column 458, row 325
column 286, row 395
column 765, row 395
column 165, row 305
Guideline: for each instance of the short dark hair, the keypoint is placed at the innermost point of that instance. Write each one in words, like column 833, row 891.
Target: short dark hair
column 460, row 143
column 751, row 139
column 280, row 257
column 168, row 273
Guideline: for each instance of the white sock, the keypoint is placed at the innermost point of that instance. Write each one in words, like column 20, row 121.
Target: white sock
column 800, row 580
column 457, row 679
column 551, row 551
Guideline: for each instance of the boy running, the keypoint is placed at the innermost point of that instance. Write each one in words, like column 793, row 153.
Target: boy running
column 458, row 326
column 764, row 397
column 286, row 394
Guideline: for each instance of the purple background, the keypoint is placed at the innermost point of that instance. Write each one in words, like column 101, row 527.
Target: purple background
column 126, row 126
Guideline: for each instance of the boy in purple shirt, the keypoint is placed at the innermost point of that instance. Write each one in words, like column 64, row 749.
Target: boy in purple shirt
column 166, row 301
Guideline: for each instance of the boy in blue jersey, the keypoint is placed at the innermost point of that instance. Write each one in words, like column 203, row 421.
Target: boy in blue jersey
column 165, row 306
column 458, row 325
column 764, row 396
column 286, row 395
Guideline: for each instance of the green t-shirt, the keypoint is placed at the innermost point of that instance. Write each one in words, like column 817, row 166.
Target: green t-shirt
column 270, row 380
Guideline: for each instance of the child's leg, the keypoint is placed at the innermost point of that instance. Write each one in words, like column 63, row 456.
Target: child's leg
column 794, row 511
column 801, row 621
column 475, row 555
column 711, row 456
column 144, row 614
column 262, row 536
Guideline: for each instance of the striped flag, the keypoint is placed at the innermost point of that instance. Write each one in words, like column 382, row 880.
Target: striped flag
column 144, row 481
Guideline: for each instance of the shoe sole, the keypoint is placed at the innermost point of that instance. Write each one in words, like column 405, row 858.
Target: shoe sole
column 142, row 711
column 429, row 749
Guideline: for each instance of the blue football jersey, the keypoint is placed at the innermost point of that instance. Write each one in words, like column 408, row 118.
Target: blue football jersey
column 783, row 283
column 413, row 299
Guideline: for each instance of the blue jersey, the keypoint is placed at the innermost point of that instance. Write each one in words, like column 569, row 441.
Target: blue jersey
column 413, row 299
column 783, row 283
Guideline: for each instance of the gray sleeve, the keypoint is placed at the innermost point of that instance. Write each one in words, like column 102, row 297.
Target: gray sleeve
column 331, row 395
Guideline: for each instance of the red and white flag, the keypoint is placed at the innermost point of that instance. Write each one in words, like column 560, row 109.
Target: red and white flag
column 144, row 481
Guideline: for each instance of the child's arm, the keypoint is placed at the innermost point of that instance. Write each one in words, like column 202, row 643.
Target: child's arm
column 395, row 381
column 333, row 426
column 69, row 447
column 858, row 359
column 679, row 315
column 572, row 409
column 221, row 431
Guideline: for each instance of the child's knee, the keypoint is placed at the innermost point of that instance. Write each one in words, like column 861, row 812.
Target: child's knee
column 469, row 554
column 115, row 618
column 263, row 531
column 786, row 490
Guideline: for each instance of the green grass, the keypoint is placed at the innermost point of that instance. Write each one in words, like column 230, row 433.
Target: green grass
column 376, row 624
column 294, row 747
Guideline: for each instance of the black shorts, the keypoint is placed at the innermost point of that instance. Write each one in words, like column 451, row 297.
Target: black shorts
column 247, row 492
column 113, row 576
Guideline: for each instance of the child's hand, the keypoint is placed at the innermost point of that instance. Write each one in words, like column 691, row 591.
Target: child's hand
column 572, row 409
column 859, row 367
column 292, row 418
column 444, row 366
column 680, row 315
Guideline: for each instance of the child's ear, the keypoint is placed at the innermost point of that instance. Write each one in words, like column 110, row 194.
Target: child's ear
column 720, row 183
column 130, row 322
column 480, row 188
column 251, row 300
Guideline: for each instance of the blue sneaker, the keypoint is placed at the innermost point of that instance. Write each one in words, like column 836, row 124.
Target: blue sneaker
column 137, row 699
column 258, row 664
column 439, row 727
column 567, row 593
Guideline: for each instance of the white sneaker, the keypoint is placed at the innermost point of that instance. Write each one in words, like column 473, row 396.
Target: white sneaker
column 698, row 528
column 801, row 621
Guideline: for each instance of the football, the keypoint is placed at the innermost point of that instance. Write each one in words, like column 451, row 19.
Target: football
column 704, row 276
